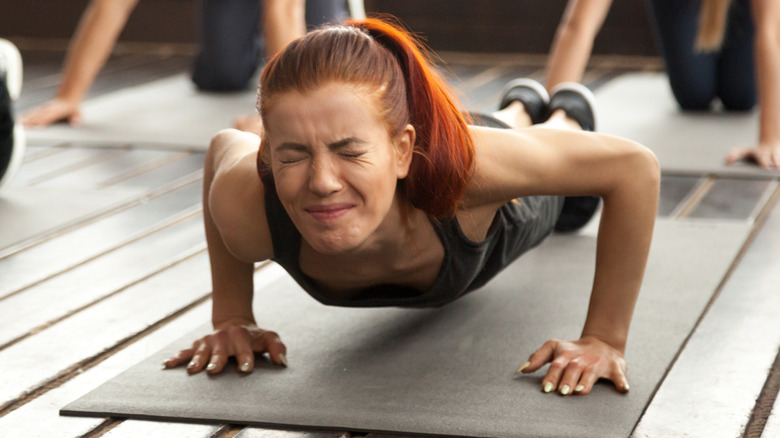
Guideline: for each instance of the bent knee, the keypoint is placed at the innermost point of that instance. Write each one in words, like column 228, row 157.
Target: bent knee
column 738, row 103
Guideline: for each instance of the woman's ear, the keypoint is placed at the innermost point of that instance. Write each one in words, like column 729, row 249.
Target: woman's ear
column 404, row 150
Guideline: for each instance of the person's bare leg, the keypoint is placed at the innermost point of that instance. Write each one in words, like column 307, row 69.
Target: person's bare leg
column 559, row 120
column 514, row 115
column 283, row 22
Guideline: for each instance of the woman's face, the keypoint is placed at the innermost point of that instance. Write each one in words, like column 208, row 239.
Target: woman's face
column 335, row 165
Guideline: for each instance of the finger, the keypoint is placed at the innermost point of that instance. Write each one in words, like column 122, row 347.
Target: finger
column 764, row 160
column 219, row 356
column 588, row 378
column 737, row 154
column 775, row 161
column 554, row 373
column 539, row 357
column 571, row 377
column 268, row 341
column 199, row 359
column 75, row 119
column 180, row 358
column 620, row 381
column 242, row 348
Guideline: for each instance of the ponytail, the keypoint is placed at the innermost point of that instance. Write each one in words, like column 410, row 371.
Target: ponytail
column 444, row 153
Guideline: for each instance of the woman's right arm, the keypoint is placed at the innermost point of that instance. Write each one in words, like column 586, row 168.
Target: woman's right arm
column 91, row 45
column 237, row 236
column 574, row 40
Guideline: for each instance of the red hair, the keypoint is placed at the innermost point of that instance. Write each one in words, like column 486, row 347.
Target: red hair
column 388, row 59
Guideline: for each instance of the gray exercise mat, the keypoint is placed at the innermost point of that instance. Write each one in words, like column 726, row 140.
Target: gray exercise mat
column 168, row 111
column 445, row 371
column 640, row 106
column 30, row 212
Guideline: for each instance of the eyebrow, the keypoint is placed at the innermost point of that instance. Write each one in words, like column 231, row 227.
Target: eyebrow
column 333, row 146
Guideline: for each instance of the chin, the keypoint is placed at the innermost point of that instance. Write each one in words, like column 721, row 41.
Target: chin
column 331, row 245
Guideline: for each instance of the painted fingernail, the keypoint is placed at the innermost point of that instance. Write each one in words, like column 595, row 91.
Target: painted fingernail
column 191, row 364
column 565, row 389
column 548, row 387
column 522, row 367
column 165, row 364
column 211, row 367
column 579, row 388
column 244, row 367
column 283, row 359
column 626, row 387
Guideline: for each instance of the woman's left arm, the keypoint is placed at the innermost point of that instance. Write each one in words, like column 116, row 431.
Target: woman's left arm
column 539, row 161
column 766, row 16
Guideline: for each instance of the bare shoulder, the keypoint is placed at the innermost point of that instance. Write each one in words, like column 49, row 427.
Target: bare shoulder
column 236, row 199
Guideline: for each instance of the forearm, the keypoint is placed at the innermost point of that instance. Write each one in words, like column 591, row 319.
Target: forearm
column 768, row 72
column 283, row 22
column 624, row 238
column 573, row 42
column 91, row 45
column 231, row 279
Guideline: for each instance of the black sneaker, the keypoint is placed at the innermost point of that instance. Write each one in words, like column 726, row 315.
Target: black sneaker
column 579, row 103
column 11, row 134
column 531, row 94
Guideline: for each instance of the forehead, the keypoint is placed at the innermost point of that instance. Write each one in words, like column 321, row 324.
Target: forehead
column 334, row 107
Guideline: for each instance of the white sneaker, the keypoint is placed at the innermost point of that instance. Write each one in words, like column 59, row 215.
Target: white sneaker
column 12, row 137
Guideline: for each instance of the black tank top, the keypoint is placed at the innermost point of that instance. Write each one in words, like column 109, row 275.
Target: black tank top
column 517, row 227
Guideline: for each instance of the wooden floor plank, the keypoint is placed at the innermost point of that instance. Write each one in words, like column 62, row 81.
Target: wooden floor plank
column 98, row 278
column 732, row 199
column 93, row 176
column 252, row 432
column 156, row 177
column 54, row 164
column 137, row 428
column 40, row 417
column 772, row 426
column 62, row 347
column 674, row 190
column 37, row 263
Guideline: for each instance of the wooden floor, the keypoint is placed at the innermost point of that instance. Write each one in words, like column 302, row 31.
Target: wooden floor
column 84, row 301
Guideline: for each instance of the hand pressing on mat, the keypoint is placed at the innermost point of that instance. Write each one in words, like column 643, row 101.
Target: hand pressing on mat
column 53, row 111
column 242, row 341
column 576, row 366
column 765, row 154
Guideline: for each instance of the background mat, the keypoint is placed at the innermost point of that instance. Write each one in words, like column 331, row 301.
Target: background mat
column 640, row 106
column 168, row 111
column 444, row 371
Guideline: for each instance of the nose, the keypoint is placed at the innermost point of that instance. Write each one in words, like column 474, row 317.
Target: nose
column 324, row 178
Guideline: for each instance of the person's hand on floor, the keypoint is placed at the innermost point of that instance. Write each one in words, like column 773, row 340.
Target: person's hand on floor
column 576, row 366
column 242, row 341
column 53, row 111
column 766, row 155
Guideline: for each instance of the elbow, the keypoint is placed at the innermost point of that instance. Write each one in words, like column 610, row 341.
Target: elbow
column 767, row 35
column 646, row 171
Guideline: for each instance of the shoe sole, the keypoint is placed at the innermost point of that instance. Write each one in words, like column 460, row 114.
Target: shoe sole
column 13, row 69
column 582, row 91
column 526, row 82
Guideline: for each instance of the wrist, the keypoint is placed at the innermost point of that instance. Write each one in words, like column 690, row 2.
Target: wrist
column 616, row 342
column 223, row 323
